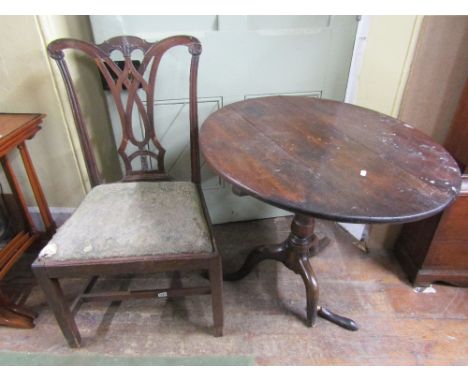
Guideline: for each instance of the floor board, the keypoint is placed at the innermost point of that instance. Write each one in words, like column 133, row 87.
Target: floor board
column 263, row 314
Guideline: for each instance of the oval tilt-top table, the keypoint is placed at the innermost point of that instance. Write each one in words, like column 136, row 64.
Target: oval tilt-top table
column 330, row 160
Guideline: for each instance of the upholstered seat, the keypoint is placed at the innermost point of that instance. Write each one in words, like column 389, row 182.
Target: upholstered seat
column 133, row 219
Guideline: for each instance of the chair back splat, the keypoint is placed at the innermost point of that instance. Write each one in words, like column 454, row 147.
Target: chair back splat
column 127, row 84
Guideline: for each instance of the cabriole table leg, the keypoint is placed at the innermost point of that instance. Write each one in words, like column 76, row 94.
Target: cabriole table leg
column 294, row 253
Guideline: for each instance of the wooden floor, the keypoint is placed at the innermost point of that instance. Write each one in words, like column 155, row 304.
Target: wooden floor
column 264, row 313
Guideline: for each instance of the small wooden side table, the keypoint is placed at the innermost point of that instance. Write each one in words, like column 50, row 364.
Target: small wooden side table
column 329, row 160
column 15, row 129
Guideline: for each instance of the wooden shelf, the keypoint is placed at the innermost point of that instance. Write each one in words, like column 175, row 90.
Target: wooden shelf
column 15, row 129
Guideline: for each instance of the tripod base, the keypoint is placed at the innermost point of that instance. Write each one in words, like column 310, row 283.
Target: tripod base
column 294, row 253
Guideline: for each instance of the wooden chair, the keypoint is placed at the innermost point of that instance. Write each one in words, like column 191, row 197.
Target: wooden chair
column 146, row 223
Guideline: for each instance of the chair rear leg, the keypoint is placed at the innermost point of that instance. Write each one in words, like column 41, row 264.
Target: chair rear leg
column 216, row 282
column 55, row 298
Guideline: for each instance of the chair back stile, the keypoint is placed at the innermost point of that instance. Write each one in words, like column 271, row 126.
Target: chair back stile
column 130, row 79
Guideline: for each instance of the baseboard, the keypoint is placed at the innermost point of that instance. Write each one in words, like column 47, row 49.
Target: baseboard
column 59, row 214
column 458, row 277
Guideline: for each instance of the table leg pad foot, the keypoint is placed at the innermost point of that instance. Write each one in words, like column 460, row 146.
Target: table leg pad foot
column 344, row 322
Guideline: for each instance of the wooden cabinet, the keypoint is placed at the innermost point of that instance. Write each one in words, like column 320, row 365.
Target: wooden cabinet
column 436, row 249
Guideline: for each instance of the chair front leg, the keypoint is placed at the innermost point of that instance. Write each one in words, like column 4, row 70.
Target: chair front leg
column 216, row 282
column 56, row 299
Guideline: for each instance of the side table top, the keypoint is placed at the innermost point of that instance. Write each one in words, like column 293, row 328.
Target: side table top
column 16, row 128
column 330, row 160
column 10, row 123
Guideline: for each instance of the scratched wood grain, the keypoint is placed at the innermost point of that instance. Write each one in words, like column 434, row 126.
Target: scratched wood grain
column 330, row 160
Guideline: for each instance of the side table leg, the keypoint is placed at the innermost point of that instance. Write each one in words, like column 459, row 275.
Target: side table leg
column 318, row 246
column 18, row 194
column 37, row 190
column 300, row 245
column 312, row 290
column 294, row 253
column 15, row 316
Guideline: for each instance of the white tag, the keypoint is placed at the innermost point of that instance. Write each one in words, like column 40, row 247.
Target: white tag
column 49, row 250
column 162, row 294
column 429, row 289
column 88, row 248
column 363, row 173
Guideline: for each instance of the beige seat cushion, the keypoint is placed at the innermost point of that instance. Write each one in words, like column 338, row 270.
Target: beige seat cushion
column 133, row 219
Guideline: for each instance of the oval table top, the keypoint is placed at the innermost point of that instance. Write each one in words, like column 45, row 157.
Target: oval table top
column 330, row 160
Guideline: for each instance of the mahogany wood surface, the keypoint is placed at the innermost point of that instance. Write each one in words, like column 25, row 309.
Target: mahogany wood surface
column 330, row 160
